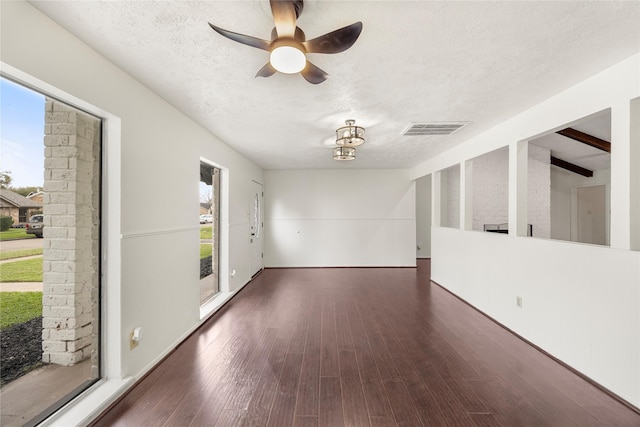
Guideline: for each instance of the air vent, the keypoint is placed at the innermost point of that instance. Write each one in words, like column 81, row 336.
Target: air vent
column 433, row 128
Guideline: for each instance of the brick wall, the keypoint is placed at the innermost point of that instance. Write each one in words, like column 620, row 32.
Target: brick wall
column 451, row 188
column 71, row 236
column 539, row 191
column 490, row 199
column 491, row 189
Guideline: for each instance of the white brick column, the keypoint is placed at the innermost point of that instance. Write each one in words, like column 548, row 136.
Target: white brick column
column 71, row 236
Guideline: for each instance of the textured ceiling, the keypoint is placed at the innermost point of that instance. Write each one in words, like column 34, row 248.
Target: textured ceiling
column 415, row 61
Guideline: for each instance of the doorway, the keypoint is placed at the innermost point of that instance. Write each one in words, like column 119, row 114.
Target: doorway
column 591, row 213
column 256, row 225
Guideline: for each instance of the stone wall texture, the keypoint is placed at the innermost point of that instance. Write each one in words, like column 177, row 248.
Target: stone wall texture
column 71, row 236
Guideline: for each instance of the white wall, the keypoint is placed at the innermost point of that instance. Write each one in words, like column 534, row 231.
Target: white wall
column 423, row 217
column 581, row 303
column 157, row 224
column 339, row 218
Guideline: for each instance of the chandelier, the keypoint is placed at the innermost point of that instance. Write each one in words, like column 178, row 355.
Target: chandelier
column 347, row 138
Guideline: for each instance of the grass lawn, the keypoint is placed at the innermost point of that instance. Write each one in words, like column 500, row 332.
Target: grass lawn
column 206, row 250
column 206, row 232
column 29, row 270
column 20, row 253
column 15, row 233
column 18, row 307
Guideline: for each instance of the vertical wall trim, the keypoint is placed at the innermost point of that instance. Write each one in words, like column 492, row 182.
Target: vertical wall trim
column 466, row 195
column 634, row 156
column 621, row 175
column 436, row 199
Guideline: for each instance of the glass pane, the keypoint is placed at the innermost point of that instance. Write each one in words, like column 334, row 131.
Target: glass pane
column 50, row 285
column 209, row 231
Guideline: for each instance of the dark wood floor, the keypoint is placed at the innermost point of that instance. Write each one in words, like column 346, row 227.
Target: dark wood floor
column 359, row 347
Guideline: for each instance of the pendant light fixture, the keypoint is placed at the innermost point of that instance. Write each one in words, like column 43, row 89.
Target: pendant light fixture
column 350, row 135
column 344, row 153
column 347, row 138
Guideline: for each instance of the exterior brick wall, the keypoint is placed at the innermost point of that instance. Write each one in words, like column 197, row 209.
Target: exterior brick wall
column 71, row 236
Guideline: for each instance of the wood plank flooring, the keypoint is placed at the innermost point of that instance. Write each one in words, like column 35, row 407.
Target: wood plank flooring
column 359, row 347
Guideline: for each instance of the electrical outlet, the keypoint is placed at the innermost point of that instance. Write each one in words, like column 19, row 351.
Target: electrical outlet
column 132, row 343
column 519, row 302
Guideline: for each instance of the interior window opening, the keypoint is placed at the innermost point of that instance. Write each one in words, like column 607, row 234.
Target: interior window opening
column 490, row 191
column 569, row 182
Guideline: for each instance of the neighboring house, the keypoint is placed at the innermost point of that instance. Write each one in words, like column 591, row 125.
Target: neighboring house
column 17, row 207
column 205, row 208
column 36, row 197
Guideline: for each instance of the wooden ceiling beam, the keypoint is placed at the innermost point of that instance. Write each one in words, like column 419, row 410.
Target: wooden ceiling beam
column 571, row 167
column 585, row 138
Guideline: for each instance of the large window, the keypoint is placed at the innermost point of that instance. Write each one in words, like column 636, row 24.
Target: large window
column 51, row 310
column 209, row 231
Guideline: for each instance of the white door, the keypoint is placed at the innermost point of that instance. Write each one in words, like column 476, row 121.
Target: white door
column 592, row 221
column 256, row 226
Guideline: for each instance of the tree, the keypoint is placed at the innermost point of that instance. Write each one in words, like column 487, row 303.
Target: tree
column 5, row 179
column 207, row 198
column 25, row 191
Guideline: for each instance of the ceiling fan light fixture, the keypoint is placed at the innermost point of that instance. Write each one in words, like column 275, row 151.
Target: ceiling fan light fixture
column 288, row 59
column 350, row 135
column 344, row 153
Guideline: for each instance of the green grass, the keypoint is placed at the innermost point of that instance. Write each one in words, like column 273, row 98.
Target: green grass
column 206, row 250
column 15, row 233
column 29, row 270
column 206, row 232
column 18, row 307
column 20, row 253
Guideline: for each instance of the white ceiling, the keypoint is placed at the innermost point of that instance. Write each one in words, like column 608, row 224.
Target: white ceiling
column 480, row 62
column 578, row 153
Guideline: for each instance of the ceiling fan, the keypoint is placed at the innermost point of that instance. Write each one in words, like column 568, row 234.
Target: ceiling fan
column 288, row 46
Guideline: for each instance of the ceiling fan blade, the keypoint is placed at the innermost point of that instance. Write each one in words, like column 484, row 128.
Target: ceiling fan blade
column 241, row 38
column 313, row 74
column 335, row 41
column 284, row 16
column 266, row 71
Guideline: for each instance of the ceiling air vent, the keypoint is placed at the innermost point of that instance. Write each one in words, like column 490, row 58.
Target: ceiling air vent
column 433, row 128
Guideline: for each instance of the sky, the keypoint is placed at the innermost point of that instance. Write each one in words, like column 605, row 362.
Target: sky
column 21, row 134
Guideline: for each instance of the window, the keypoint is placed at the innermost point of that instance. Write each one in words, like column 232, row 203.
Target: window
column 64, row 334
column 209, row 231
